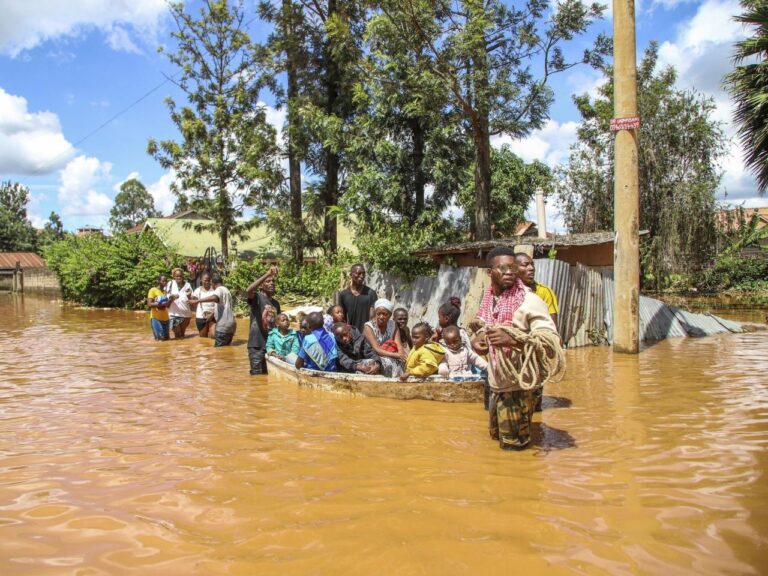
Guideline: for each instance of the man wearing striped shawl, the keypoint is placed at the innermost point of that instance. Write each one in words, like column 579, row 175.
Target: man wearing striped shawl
column 509, row 308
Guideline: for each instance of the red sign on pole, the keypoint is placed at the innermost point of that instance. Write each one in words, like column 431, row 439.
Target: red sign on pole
column 631, row 123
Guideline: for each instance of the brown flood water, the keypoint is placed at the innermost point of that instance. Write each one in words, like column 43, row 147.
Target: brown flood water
column 122, row 456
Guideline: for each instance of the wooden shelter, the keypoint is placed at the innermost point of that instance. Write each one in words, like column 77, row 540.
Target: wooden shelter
column 593, row 249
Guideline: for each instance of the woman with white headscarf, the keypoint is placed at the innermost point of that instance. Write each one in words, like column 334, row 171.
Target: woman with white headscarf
column 384, row 337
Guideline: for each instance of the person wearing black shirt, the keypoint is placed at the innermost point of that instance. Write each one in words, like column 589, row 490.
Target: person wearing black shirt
column 358, row 299
column 354, row 352
column 258, row 302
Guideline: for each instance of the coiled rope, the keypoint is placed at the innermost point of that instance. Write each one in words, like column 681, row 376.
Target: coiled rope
column 540, row 358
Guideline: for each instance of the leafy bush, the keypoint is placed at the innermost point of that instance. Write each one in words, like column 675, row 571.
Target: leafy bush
column 389, row 247
column 112, row 271
column 308, row 282
column 736, row 273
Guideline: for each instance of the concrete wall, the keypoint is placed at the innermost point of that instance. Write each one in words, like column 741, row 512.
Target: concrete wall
column 41, row 280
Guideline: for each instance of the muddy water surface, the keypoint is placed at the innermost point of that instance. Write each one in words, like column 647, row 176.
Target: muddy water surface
column 122, row 456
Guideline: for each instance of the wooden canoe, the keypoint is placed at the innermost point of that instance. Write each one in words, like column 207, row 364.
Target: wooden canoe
column 432, row 388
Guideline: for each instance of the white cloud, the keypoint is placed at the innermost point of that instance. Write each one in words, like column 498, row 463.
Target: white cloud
column 78, row 194
column 119, row 40
column 586, row 80
column 161, row 192
column 276, row 117
column 26, row 24
column 701, row 53
column 549, row 145
column 30, row 142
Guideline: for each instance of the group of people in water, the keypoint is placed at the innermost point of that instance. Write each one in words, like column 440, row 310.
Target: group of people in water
column 365, row 334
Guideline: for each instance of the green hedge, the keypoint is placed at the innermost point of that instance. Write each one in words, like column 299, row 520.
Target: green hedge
column 313, row 282
column 735, row 273
column 115, row 271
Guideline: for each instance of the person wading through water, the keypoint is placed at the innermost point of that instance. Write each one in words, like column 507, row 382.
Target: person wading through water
column 510, row 319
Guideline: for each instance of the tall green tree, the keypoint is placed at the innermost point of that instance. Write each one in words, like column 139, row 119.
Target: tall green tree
column 485, row 52
column 289, row 47
column 406, row 152
column 53, row 231
column 16, row 231
column 133, row 205
column 335, row 31
column 678, row 171
column 513, row 185
column 748, row 85
column 227, row 160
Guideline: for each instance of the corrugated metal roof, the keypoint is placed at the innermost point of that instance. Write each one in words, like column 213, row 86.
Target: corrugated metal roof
column 26, row 260
column 562, row 240
column 657, row 321
column 701, row 324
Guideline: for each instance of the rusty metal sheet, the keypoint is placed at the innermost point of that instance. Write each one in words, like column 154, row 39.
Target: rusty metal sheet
column 583, row 323
column 26, row 259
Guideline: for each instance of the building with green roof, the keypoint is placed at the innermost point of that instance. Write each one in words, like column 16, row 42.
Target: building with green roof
column 178, row 234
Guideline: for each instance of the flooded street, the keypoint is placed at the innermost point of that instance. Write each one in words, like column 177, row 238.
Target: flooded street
column 119, row 455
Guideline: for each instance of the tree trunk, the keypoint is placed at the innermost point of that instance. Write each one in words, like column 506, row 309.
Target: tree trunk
column 331, row 188
column 224, row 242
column 418, row 164
column 330, row 198
column 481, row 132
column 482, row 143
column 294, row 163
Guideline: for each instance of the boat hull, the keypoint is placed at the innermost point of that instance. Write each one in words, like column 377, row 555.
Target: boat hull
column 433, row 388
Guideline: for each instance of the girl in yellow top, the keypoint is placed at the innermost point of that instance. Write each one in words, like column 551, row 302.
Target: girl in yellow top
column 158, row 302
column 425, row 356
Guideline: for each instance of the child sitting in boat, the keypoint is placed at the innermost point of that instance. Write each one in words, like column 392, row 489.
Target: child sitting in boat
column 318, row 350
column 337, row 313
column 400, row 316
column 459, row 358
column 282, row 341
column 448, row 315
column 355, row 352
column 425, row 356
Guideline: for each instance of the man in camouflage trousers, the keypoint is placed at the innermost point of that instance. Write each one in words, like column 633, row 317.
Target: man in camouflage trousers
column 508, row 302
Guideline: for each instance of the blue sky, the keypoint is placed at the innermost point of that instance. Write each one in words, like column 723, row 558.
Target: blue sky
column 69, row 70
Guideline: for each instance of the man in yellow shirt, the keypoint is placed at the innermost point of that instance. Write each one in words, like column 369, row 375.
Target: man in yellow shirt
column 526, row 270
column 158, row 302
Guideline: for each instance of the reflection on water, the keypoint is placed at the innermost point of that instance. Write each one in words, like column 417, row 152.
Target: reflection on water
column 119, row 455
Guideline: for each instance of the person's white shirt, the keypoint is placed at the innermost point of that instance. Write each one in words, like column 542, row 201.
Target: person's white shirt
column 224, row 314
column 203, row 307
column 180, row 306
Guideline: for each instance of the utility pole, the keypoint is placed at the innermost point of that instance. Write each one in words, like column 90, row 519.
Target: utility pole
column 626, row 191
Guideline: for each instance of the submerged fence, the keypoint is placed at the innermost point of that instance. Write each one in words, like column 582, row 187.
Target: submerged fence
column 38, row 280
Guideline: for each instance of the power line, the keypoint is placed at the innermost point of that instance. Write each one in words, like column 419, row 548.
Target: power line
column 123, row 111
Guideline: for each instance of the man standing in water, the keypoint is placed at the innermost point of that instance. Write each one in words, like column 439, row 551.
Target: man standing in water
column 508, row 303
column 358, row 299
column 258, row 302
column 526, row 271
